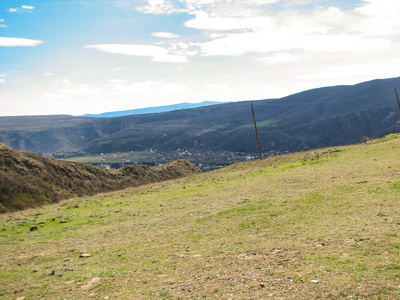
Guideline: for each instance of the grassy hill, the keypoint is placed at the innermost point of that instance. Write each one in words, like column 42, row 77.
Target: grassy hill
column 29, row 180
column 322, row 224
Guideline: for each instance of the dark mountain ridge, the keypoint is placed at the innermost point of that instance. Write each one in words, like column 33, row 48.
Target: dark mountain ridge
column 312, row 119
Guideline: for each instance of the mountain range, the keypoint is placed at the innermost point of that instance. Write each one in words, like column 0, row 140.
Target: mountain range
column 152, row 110
column 311, row 119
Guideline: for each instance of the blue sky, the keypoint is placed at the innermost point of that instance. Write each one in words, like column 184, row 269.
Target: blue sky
column 76, row 57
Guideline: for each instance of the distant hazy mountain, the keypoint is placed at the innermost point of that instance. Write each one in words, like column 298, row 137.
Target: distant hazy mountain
column 152, row 110
column 312, row 119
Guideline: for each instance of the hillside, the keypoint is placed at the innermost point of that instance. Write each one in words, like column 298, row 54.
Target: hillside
column 321, row 224
column 29, row 180
column 312, row 119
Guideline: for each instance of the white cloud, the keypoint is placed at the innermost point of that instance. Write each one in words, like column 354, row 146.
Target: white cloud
column 2, row 80
column 3, row 75
column 166, row 35
column 22, row 9
column 204, row 22
column 75, row 91
column 137, row 88
column 117, row 81
column 159, row 7
column 49, row 74
column 85, row 90
column 56, row 96
column 3, row 25
column 263, row 42
column 14, row 42
column 377, row 69
column 380, row 17
column 279, row 58
column 173, row 88
column 158, row 54
column 217, row 86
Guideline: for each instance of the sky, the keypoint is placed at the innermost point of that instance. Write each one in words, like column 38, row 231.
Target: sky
column 92, row 56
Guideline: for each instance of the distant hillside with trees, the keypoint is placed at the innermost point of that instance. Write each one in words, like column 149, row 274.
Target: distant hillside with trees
column 316, row 118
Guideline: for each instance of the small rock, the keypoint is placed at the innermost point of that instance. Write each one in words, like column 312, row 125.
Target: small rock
column 262, row 285
column 314, row 281
column 95, row 280
column 33, row 228
column 85, row 255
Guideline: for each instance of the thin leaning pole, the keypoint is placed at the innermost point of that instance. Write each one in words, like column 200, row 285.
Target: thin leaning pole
column 397, row 119
column 255, row 126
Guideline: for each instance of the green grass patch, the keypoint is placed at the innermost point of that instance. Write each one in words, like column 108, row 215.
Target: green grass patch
column 265, row 123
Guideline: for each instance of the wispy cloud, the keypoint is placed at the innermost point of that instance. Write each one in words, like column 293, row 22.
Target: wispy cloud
column 3, row 25
column 118, row 81
column 158, row 54
column 205, row 22
column 279, row 58
column 160, row 7
column 15, row 42
column 75, row 90
column 239, row 27
column 166, row 35
column 22, row 9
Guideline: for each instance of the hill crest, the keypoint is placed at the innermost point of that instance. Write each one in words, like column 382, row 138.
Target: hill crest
column 30, row 180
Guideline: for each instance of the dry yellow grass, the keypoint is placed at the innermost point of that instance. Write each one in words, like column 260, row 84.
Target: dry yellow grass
column 321, row 224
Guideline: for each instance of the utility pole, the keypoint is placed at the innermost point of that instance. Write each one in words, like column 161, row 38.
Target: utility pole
column 397, row 119
column 255, row 126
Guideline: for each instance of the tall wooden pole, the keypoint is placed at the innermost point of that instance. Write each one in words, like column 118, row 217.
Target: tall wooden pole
column 255, row 126
column 397, row 119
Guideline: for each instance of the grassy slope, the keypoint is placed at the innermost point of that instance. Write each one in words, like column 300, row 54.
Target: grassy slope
column 321, row 224
column 29, row 180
